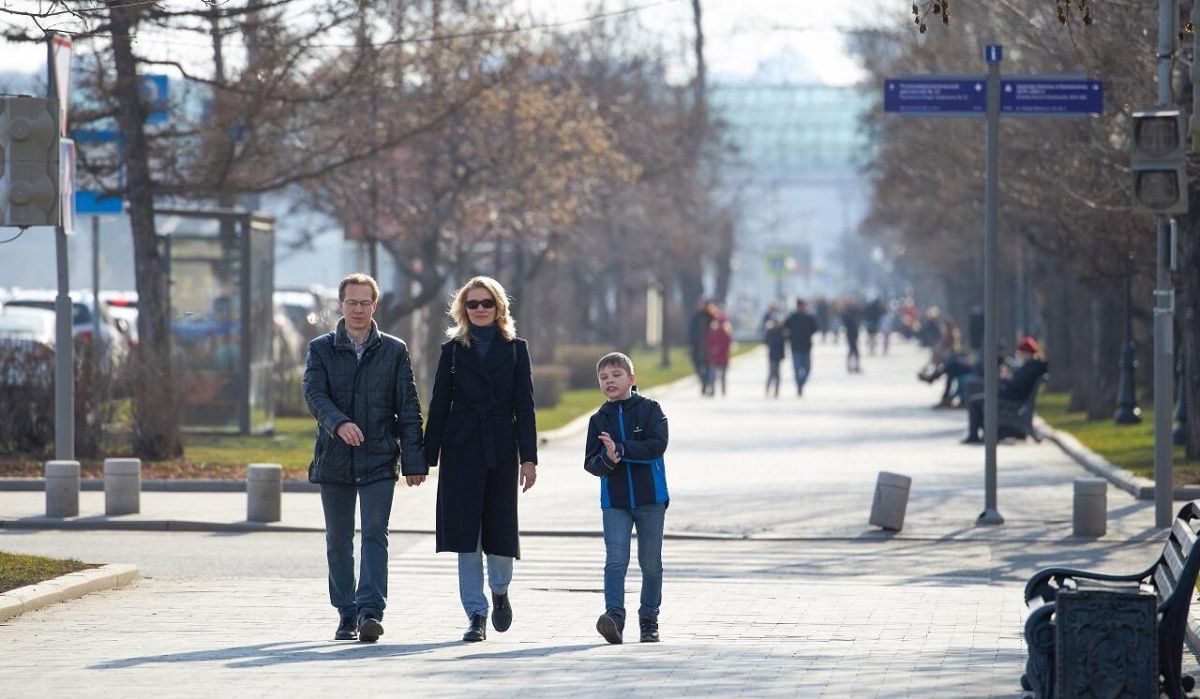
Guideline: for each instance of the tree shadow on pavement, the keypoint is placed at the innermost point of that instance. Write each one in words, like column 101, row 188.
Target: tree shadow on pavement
column 264, row 654
column 534, row 652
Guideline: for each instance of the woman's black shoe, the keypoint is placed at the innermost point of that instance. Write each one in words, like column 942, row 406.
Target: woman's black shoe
column 501, row 612
column 347, row 630
column 477, row 631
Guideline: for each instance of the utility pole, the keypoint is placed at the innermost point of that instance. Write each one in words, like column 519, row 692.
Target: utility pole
column 1164, row 299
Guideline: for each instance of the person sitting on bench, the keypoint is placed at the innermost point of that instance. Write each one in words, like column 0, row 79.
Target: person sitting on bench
column 1016, row 385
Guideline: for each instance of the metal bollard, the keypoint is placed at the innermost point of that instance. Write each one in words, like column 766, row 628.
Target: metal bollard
column 891, row 500
column 122, row 486
column 1091, row 507
column 264, row 492
column 62, row 488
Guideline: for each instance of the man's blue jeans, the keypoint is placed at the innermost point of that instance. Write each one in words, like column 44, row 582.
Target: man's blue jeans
column 802, row 364
column 338, row 501
column 618, row 531
column 470, row 578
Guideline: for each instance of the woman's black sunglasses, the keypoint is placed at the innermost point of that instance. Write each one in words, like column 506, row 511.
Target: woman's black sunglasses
column 486, row 303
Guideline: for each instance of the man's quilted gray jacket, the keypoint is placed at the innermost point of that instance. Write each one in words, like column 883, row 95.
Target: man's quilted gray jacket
column 378, row 394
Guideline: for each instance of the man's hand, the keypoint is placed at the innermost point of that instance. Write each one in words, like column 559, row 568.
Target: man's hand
column 350, row 434
column 528, row 475
column 610, row 447
column 414, row 480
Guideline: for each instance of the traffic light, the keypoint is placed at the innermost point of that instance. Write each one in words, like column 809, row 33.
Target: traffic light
column 29, row 179
column 1159, row 144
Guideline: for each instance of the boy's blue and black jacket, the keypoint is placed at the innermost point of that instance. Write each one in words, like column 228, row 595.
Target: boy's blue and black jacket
column 639, row 428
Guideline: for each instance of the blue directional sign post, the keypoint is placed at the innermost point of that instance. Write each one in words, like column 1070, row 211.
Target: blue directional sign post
column 991, row 96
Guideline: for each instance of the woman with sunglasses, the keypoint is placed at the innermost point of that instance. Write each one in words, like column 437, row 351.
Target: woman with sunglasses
column 481, row 424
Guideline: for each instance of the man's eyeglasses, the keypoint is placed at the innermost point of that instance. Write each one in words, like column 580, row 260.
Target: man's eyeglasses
column 476, row 303
column 358, row 304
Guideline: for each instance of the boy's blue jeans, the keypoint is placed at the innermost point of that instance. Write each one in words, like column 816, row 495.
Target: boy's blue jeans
column 470, row 578
column 618, row 531
column 338, row 501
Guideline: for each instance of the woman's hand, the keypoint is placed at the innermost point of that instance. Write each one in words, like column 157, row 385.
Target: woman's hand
column 528, row 475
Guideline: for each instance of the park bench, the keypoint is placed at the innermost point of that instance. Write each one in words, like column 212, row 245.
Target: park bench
column 1172, row 579
column 1016, row 417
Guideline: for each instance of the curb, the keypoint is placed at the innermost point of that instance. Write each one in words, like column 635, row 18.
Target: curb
column 66, row 587
column 160, row 485
column 1138, row 487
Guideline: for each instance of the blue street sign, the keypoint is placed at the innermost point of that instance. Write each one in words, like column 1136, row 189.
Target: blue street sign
column 1051, row 96
column 155, row 93
column 934, row 95
column 93, row 204
column 993, row 53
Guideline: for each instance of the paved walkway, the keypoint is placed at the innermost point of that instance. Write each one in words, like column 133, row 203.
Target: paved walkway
column 775, row 583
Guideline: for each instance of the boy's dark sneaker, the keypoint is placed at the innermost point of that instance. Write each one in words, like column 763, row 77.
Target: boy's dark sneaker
column 369, row 629
column 611, row 625
column 649, row 626
column 501, row 612
column 347, row 630
column 477, row 631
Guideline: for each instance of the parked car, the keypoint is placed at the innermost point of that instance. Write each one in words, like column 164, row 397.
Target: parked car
column 123, row 307
column 114, row 344
column 26, row 346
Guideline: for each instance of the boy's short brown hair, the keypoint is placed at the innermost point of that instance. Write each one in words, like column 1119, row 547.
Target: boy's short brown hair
column 360, row 279
column 615, row 359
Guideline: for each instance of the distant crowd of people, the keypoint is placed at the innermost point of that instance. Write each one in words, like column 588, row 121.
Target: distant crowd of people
column 710, row 336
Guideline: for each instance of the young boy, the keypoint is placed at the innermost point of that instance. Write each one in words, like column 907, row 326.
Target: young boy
column 626, row 440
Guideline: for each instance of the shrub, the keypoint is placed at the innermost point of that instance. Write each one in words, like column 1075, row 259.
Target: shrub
column 580, row 361
column 549, row 383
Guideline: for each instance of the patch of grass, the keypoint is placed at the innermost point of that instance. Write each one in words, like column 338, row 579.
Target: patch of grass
column 291, row 446
column 1128, row 446
column 19, row 571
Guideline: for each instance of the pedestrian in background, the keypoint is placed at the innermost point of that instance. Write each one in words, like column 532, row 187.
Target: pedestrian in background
column 358, row 384
column 774, row 337
column 800, row 327
column 718, row 344
column 482, row 428
column 627, row 438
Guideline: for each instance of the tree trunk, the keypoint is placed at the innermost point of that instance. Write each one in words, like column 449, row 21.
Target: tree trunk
column 1108, row 333
column 1050, row 283
column 157, row 415
column 1081, row 367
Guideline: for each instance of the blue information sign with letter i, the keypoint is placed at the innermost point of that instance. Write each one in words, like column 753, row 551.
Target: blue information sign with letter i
column 993, row 53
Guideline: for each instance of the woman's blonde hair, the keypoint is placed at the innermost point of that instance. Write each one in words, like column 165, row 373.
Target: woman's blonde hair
column 461, row 330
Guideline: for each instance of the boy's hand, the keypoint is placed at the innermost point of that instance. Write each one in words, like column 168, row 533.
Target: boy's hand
column 610, row 447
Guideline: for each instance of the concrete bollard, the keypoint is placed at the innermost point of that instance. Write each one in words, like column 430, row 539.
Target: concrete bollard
column 62, row 488
column 891, row 500
column 122, row 486
column 264, row 492
column 1091, row 507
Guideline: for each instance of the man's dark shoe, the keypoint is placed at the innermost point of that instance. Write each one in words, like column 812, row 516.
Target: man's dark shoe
column 347, row 630
column 369, row 629
column 611, row 625
column 477, row 631
column 972, row 440
column 501, row 612
column 649, row 626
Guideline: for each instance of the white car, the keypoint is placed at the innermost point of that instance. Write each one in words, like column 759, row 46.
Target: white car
column 26, row 346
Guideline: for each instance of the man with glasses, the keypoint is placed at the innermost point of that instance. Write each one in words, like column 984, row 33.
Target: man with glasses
column 358, row 383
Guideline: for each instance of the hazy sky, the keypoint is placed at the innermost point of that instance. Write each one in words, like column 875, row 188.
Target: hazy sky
column 798, row 37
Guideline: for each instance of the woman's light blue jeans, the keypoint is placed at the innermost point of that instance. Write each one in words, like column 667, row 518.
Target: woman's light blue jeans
column 470, row 578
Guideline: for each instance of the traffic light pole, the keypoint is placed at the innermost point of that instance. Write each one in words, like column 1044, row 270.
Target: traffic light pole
column 1164, row 301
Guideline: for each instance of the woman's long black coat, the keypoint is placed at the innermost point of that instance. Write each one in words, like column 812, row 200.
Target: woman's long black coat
column 481, row 424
